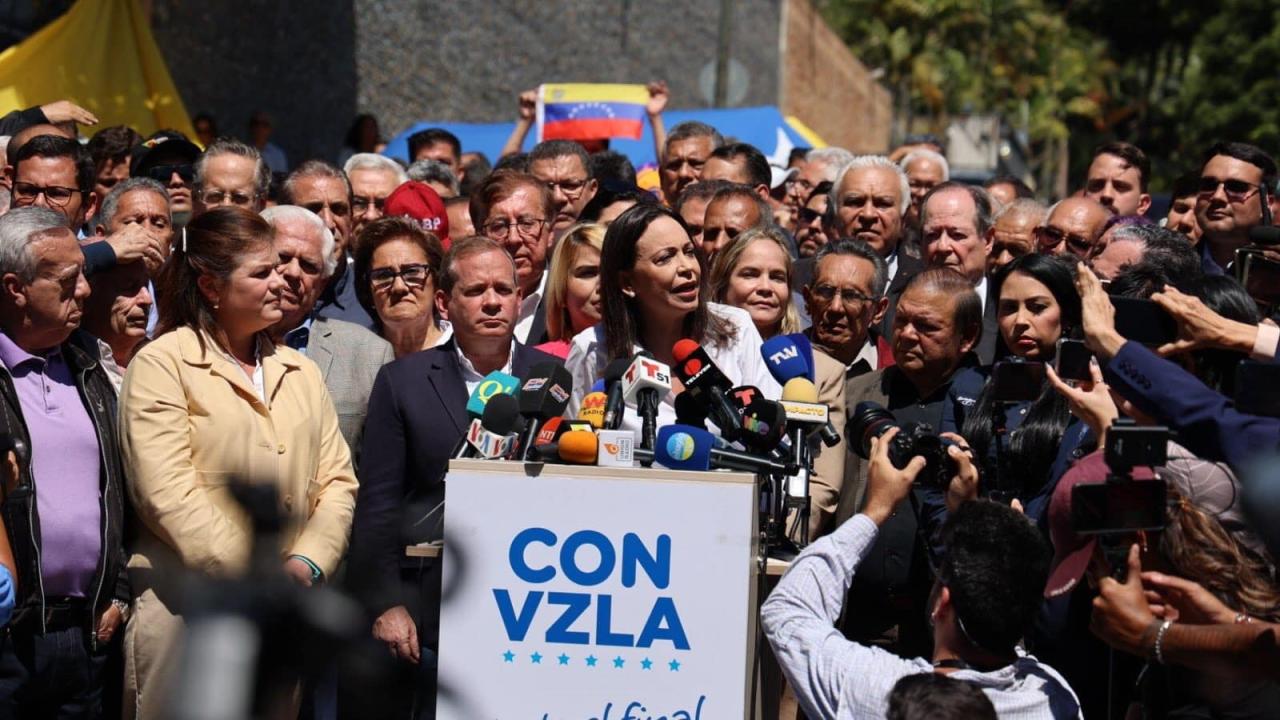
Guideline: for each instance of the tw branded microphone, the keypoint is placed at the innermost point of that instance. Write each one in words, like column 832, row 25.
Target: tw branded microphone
column 493, row 435
column 614, row 406
column 575, row 447
column 704, row 381
column 592, row 409
column 495, row 383
column 544, row 394
column 785, row 359
column 645, row 383
column 681, row 447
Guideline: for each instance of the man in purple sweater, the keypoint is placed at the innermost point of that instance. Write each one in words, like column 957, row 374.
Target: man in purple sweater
column 64, row 509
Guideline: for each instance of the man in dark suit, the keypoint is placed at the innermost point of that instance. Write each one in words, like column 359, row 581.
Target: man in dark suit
column 939, row 323
column 417, row 414
column 957, row 230
column 519, row 211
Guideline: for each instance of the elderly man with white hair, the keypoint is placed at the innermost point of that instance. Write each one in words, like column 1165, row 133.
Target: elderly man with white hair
column 925, row 170
column 349, row 356
column 372, row 178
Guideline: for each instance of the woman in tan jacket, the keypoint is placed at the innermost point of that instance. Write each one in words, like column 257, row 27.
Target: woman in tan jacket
column 209, row 401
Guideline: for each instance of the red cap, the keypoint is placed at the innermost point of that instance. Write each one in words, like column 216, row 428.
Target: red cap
column 1072, row 552
column 417, row 200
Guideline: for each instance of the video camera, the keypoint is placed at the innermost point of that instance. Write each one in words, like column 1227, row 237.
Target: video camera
column 871, row 420
column 1257, row 267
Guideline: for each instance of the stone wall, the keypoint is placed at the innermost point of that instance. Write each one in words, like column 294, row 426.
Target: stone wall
column 825, row 86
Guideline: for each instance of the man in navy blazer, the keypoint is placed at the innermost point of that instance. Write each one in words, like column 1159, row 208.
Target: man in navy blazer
column 417, row 414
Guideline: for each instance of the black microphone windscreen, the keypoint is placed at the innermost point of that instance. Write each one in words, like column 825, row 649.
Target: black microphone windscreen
column 614, row 371
column 545, row 390
column 501, row 415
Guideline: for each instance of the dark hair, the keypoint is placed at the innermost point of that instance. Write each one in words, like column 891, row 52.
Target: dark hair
column 981, row 202
column 515, row 162
column 1257, row 157
column 112, row 144
column 353, row 133
column 701, row 190
column 379, row 233
column 967, row 316
column 1166, row 250
column 1119, row 221
column 502, row 184
column 996, row 567
column 1185, row 185
column 213, row 124
column 934, row 696
column 747, row 194
column 622, row 323
column 611, row 166
column 474, row 172
column 1030, row 449
column 753, row 161
column 1132, row 155
column 1224, row 295
column 431, row 136
column 609, row 193
column 57, row 146
column 552, row 149
column 213, row 244
column 797, row 153
column 1020, row 189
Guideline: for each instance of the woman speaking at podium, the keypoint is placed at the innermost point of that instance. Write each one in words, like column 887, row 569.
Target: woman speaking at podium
column 653, row 281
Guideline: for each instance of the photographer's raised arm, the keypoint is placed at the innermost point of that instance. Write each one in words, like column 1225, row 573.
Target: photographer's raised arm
column 1200, row 327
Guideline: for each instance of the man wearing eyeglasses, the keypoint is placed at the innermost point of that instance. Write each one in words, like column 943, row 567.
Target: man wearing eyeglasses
column 372, row 177
column 565, row 167
column 516, row 210
column 324, row 190
column 846, row 302
column 1074, row 226
column 1236, row 194
column 231, row 173
column 348, row 355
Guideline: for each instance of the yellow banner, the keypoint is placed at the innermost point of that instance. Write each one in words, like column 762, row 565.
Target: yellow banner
column 594, row 92
column 102, row 56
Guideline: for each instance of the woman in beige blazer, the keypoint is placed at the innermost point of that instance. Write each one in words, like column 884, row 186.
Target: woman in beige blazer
column 212, row 400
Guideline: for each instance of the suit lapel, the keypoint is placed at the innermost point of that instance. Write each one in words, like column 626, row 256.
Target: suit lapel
column 446, row 380
column 538, row 329
column 318, row 346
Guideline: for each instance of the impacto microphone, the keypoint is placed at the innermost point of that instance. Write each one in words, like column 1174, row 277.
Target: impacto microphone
column 544, row 394
column 614, row 405
column 800, row 401
column 704, row 381
column 495, row 383
column 681, row 447
column 645, row 383
column 493, row 435
column 785, row 358
column 592, row 409
column 575, row 447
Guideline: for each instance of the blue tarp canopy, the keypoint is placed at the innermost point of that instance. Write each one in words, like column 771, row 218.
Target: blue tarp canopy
column 764, row 127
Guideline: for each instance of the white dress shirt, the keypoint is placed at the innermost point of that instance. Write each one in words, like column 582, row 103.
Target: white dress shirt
column 472, row 377
column 981, row 289
column 529, row 308
column 739, row 360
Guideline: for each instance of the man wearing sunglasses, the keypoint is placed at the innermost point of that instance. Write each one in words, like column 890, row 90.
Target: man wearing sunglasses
column 168, row 158
column 1236, row 193
column 1074, row 226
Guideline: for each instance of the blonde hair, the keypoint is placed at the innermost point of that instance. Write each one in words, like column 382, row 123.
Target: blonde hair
column 559, row 324
column 727, row 259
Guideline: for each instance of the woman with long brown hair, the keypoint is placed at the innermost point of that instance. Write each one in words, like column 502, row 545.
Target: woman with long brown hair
column 209, row 403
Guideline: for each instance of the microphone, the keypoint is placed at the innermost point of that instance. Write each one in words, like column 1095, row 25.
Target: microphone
column 800, row 401
column 645, row 383
column 495, row 383
column 548, row 433
column 597, row 386
column 681, row 447
column 786, row 359
column 614, row 406
column 764, row 422
column 1264, row 235
column 575, row 447
column 494, row 434
column 690, row 412
column 543, row 395
column 592, row 409
column 704, row 381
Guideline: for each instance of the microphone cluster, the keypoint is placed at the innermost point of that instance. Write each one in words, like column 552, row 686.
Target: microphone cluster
column 521, row 418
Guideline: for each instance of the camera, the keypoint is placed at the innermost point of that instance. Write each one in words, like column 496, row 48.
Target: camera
column 1257, row 267
column 871, row 420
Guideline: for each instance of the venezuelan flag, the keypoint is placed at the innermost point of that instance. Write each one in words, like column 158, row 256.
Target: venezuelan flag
column 587, row 111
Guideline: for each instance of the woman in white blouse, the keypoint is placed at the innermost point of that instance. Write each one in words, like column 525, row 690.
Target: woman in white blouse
column 653, row 282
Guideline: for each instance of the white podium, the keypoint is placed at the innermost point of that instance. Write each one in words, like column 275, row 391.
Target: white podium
column 589, row 593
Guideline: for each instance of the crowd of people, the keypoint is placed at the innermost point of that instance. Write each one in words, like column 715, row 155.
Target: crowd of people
column 176, row 317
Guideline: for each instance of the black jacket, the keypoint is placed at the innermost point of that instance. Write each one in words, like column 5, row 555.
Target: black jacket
column 19, row 504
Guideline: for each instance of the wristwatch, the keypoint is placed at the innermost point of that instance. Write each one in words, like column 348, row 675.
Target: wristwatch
column 123, row 607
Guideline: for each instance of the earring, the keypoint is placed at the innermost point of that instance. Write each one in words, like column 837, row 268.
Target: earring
column 629, row 293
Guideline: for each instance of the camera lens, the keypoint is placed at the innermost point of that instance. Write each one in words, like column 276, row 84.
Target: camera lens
column 868, row 420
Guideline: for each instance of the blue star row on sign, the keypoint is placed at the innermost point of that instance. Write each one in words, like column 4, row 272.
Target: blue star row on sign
column 618, row 662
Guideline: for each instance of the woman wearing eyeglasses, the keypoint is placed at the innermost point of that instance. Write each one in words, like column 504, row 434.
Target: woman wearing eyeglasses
column 395, row 275
column 654, row 286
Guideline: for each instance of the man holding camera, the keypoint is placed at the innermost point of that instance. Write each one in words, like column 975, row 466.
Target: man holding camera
column 985, row 597
column 937, row 324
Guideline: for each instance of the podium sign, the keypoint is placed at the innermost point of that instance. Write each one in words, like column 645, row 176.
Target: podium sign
column 591, row 593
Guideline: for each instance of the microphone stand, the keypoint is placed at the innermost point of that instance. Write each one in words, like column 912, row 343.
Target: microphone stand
column 647, row 405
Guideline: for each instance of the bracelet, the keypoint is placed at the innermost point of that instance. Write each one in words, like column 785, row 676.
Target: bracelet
column 1243, row 619
column 316, row 573
column 1164, row 628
